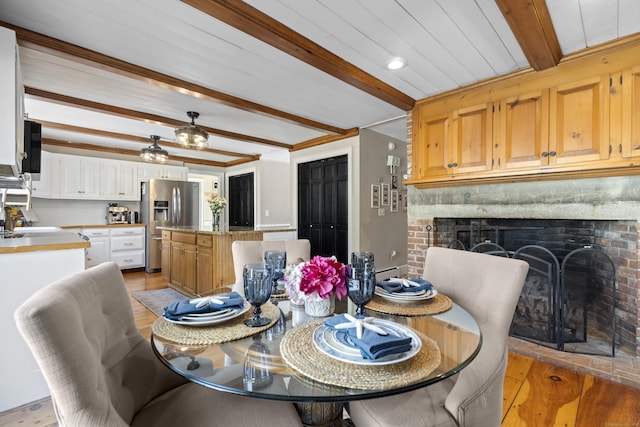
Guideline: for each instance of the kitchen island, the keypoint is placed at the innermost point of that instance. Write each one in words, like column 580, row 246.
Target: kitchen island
column 198, row 261
column 29, row 261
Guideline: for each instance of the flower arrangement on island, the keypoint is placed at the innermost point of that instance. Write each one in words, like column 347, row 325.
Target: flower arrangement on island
column 315, row 280
column 217, row 204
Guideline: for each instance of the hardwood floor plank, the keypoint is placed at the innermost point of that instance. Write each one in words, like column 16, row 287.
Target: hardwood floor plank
column 549, row 397
column 605, row 403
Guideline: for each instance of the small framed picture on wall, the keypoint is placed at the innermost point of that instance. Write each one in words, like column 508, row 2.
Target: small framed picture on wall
column 404, row 200
column 384, row 189
column 394, row 182
column 395, row 200
column 375, row 196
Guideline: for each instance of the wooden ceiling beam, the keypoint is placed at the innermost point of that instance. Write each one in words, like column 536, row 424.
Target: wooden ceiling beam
column 59, row 48
column 253, row 22
column 142, row 116
column 135, row 138
column 532, row 26
column 324, row 140
column 126, row 152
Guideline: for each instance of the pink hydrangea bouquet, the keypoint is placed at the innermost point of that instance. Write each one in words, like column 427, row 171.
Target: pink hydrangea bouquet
column 315, row 280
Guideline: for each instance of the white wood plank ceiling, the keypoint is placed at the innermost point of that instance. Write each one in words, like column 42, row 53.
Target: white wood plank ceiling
column 268, row 76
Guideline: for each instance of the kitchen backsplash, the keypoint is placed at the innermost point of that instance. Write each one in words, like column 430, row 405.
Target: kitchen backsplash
column 58, row 212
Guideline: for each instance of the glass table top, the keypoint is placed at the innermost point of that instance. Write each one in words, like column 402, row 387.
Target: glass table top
column 254, row 366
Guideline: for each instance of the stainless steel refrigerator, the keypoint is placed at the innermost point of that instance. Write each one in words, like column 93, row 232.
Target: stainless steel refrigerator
column 166, row 203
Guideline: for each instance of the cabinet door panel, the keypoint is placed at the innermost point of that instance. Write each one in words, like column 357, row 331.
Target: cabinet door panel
column 433, row 151
column 472, row 139
column 190, row 268
column 579, row 127
column 205, row 271
column 631, row 113
column 524, row 131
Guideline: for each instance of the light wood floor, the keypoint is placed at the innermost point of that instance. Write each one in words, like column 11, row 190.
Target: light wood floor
column 536, row 394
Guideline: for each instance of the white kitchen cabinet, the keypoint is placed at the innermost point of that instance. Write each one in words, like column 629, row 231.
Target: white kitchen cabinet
column 147, row 171
column 11, row 105
column 99, row 252
column 119, row 180
column 48, row 170
column 79, row 177
column 127, row 246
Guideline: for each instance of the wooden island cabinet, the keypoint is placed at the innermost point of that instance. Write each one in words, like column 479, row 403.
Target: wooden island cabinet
column 581, row 118
column 197, row 262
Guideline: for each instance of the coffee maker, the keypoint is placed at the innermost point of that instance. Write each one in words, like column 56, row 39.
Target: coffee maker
column 117, row 214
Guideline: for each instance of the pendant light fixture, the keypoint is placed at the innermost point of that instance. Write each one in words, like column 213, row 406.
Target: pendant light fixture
column 154, row 153
column 191, row 135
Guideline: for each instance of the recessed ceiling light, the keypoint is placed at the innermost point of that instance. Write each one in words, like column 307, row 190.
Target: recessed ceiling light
column 396, row 63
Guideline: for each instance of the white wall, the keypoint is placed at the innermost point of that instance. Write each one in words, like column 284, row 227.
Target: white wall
column 272, row 190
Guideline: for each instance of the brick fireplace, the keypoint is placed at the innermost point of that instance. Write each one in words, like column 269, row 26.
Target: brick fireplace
column 608, row 207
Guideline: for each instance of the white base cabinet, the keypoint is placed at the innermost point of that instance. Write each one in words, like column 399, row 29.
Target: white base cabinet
column 99, row 251
column 127, row 247
column 121, row 244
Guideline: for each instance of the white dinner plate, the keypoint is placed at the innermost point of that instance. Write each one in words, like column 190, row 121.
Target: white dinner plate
column 212, row 320
column 405, row 296
column 326, row 341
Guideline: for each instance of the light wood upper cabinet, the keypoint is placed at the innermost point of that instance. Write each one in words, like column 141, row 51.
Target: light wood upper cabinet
column 630, row 113
column 579, row 121
column 432, row 149
column 472, row 139
column 455, row 142
column 523, row 131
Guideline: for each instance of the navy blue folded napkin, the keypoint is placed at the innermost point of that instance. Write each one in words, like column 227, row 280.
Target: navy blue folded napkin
column 177, row 309
column 372, row 345
column 395, row 285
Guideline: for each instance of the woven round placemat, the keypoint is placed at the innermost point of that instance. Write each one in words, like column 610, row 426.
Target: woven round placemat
column 224, row 332
column 283, row 295
column 436, row 305
column 299, row 353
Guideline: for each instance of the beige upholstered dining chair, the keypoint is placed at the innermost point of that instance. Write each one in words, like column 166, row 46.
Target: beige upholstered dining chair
column 102, row 372
column 488, row 287
column 252, row 251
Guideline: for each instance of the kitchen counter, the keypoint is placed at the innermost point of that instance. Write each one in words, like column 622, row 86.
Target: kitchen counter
column 230, row 230
column 101, row 226
column 48, row 241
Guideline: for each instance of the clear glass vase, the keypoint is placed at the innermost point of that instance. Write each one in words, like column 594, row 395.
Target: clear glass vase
column 215, row 222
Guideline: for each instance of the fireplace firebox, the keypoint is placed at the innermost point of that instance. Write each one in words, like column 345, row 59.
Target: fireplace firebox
column 569, row 298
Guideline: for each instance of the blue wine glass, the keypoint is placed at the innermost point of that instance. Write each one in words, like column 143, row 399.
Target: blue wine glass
column 257, row 280
column 277, row 260
column 361, row 281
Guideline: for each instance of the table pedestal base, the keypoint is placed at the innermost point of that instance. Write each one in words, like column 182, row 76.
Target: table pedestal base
column 320, row 414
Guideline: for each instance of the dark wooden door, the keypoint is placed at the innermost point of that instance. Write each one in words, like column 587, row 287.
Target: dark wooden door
column 323, row 206
column 241, row 200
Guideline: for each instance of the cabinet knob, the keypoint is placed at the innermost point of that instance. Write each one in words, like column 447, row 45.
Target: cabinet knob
column 544, row 154
column 455, row 165
column 552, row 153
column 449, row 165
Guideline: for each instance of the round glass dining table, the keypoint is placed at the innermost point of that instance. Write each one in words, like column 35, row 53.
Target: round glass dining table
column 254, row 366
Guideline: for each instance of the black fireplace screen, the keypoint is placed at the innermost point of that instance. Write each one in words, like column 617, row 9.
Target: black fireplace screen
column 568, row 306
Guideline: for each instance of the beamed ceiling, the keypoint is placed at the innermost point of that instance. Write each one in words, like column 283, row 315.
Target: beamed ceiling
column 272, row 76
